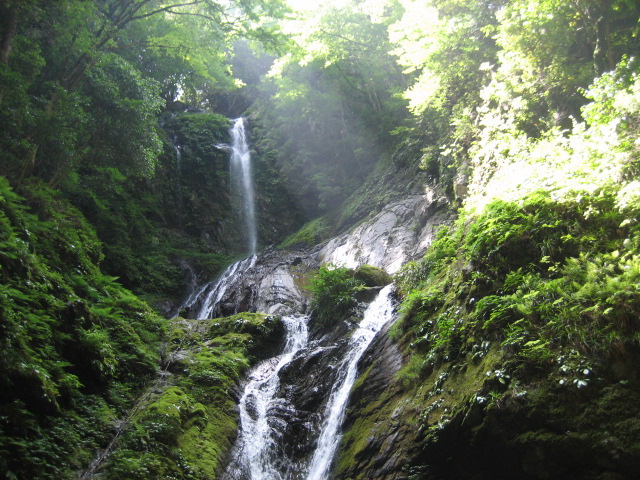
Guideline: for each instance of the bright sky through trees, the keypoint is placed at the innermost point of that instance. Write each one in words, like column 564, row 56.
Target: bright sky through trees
column 303, row 5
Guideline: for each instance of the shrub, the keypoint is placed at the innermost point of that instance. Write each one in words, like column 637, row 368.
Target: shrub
column 332, row 293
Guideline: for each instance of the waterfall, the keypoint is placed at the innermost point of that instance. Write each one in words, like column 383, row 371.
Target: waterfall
column 293, row 405
column 242, row 181
column 218, row 288
column 202, row 300
column 257, row 447
column 379, row 312
column 178, row 181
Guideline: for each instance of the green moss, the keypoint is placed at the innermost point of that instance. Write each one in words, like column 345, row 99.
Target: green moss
column 370, row 423
column 509, row 326
column 173, row 403
column 189, row 426
column 311, row 233
column 372, row 276
column 205, row 444
column 245, row 322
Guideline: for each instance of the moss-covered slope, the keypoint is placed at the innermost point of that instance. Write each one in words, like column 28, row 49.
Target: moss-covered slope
column 76, row 347
column 520, row 337
column 186, row 425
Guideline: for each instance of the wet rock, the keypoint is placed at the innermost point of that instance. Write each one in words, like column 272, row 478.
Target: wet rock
column 402, row 231
column 263, row 283
column 367, row 294
column 382, row 454
column 251, row 407
column 269, row 283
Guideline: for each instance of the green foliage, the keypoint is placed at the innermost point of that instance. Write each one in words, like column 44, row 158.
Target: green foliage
column 311, row 233
column 445, row 43
column 441, row 252
column 553, row 281
column 90, row 88
column 186, row 427
column 76, row 346
column 331, row 102
column 332, row 293
column 491, row 77
column 148, row 224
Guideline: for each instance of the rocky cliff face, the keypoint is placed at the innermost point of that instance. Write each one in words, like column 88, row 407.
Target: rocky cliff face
column 462, row 422
column 269, row 282
column 402, row 231
column 272, row 282
column 200, row 202
column 374, row 443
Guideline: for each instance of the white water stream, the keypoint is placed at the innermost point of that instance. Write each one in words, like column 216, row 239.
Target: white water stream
column 257, row 447
column 218, row 288
column 379, row 312
column 258, row 454
column 242, row 181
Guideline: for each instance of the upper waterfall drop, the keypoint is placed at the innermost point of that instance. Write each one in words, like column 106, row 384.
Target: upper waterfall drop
column 242, row 181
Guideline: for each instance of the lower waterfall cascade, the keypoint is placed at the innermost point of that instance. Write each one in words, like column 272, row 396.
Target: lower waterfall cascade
column 292, row 408
column 290, row 429
column 377, row 314
column 257, row 446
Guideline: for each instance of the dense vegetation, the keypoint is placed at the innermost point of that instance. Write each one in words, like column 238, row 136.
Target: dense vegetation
column 519, row 326
column 77, row 348
column 526, row 112
column 335, row 291
column 94, row 197
column 189, row 421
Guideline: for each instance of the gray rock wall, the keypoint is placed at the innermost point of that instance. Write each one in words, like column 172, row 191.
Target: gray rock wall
column 401, row 232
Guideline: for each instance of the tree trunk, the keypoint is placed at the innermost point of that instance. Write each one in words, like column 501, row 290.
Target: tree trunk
column 66, row 167
column 9, row 32
column 29, row 164
column 602, row 57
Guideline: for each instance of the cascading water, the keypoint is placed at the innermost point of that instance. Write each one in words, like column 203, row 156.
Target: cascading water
column 205, row 297
column 379, row 312
column 202, row 300
column 256, row 450
column 218, row 288
column 242, row 181
column 265, row 410
column 293, row 405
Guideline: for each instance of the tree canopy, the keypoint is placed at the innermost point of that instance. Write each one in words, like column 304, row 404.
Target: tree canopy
column 72, row 71
column 84, row 81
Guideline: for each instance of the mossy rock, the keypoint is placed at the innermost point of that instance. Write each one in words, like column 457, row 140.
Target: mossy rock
column 260, row 334
column 172, row 402
column 188, row 426
column 372, row 276
column 256, row 324
column 311, row 233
